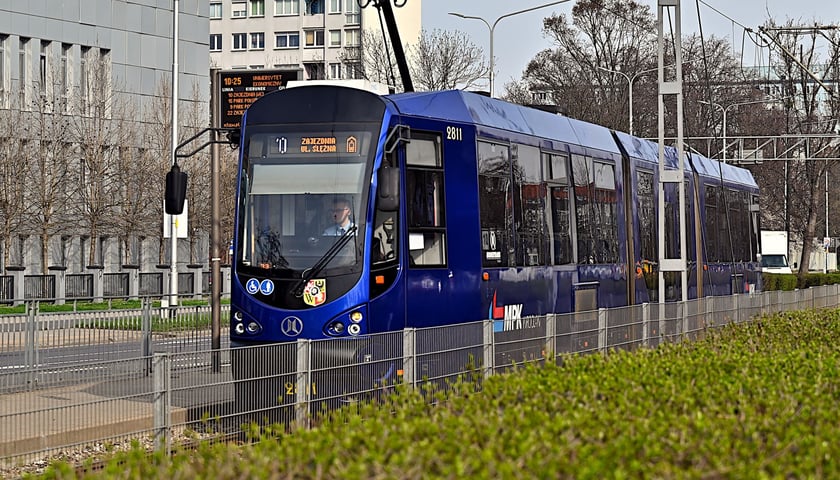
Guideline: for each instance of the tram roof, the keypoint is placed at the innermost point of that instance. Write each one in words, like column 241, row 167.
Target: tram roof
column 467, row 107
column 649, row 151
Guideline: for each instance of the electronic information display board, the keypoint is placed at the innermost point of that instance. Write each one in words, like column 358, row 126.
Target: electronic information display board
column 240, row 88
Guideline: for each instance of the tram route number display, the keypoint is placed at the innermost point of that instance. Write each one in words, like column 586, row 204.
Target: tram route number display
column 239, row 89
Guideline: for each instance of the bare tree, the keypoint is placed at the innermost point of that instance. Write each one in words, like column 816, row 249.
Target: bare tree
column 373, row 59
column 805, row 73
column 13, row 171
column 102, row 131
column 615, row 35
column 196, row 118
column 48, row 152
column 443, row 60
column 157, row 123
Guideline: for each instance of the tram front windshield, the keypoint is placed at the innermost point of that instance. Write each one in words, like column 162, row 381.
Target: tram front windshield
column 301, row 200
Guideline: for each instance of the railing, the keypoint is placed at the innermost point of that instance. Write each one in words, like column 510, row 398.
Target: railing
column 60, row 287
column 152, row 373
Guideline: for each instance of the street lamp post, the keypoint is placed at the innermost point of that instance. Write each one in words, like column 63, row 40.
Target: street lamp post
column 492, row 28
column 632, row 79
column 726, row 109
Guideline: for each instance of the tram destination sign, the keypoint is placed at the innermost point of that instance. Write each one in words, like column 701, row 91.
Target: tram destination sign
column 239, row 89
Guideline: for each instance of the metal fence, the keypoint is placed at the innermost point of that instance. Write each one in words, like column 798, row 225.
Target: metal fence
column 166, row 378
column 60, row 286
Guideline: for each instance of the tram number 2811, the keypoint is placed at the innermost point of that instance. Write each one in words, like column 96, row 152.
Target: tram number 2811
column 454, row 133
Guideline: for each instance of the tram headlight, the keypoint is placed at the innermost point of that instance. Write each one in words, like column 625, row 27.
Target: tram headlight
column 356, row 317
column 354, row 329
column 239, row 328
column 238, row 316
column 336, row 328
column 253, row 327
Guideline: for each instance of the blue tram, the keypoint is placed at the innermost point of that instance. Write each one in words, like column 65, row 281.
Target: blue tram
column 455, row 207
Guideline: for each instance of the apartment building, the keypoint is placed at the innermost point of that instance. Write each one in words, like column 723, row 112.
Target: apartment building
column 304, row 39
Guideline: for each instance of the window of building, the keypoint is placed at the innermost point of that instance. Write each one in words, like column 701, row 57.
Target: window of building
column 64, row 74
column 335, row 71
column 353, row 70
column 596, row 210
column 43, row 67
column 286, row 40
column 314, row 7
column 239, row 41
column 215, row 10
column 257, row 41
column 3, row 86
column 215, row 42
column 334, row 6
column 84, row 79
column 238, row 10
column 257, row 8
column 352, row 12
column 103, row 85
column 23, row 71
column 314, row 71
column 425, row 201
column 287, row 7
column 335, row 38
column 314, row 38
column 352, row 38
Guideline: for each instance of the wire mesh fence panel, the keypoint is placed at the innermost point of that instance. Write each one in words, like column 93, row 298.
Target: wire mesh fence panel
column 519, row 341
column 443, row 354
column 264, row 382
column 81, row 405
column 625, row 327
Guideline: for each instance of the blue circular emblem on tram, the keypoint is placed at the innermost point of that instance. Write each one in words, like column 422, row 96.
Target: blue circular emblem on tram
column 253, row 286
column 266, row 287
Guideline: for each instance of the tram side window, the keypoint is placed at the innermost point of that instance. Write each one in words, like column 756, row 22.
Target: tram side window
column 495, row 209
column 425, row 200
column 672, row 220
column 561, row 213
column 596, row 210
column 646, row 209
column 712, row 233
column 529, row 206
column 724, row 240
column 754, row 228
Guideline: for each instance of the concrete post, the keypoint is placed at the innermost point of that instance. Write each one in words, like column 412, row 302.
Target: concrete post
column 98, row 272
column 17, row 273
column 198, row 279
column 58, row 273
column 133, row 281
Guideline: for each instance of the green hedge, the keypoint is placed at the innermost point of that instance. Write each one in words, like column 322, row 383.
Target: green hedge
column 755, row 400
column 787, row 281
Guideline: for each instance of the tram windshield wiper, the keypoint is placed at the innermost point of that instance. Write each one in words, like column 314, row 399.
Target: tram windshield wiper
column 309, row 274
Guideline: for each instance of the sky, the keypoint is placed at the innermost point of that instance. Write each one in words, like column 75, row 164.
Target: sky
column 516, row 39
